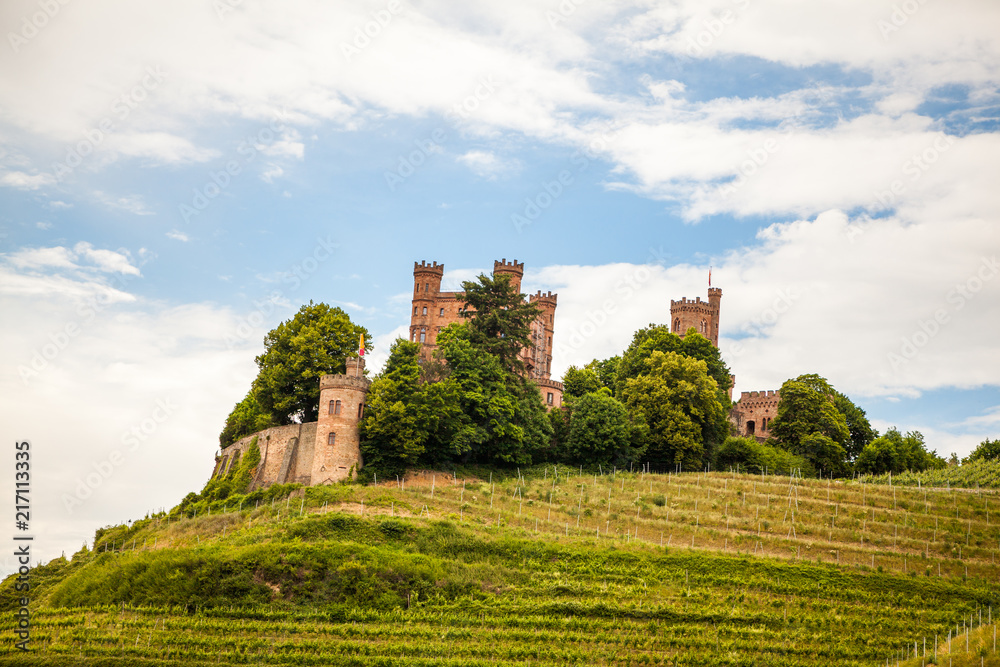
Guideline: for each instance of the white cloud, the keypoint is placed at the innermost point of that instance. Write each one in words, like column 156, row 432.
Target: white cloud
column 45, row 226
column 272, row 172
column 486, row 164
column 132, row 203
column 177, row 235
column 70, row 273
column 24, row 181
column 106, row 260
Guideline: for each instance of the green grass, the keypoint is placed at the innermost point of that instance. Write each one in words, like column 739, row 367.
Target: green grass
column 628, row 569
column 972, row 475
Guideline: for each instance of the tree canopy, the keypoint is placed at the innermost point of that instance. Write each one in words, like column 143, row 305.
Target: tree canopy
column 810, row 425
column 988, row 450
column 658, row 338
column 678, row 402
column 499, row 319
column 315, row 342
column 895, row 453
column 601, row 432
column 246, row 419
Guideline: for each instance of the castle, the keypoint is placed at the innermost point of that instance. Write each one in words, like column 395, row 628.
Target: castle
column 752, row 415
column 433, row 310
column 329, row 450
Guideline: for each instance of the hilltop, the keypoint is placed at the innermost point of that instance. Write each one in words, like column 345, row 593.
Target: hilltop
column 544, row 566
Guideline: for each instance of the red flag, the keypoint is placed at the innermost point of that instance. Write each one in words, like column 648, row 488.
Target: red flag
column 361, row 345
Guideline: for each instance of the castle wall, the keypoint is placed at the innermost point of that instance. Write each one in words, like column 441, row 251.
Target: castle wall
column 272, row 443
column 753, row 413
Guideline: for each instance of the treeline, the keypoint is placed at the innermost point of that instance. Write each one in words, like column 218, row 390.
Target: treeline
column 663, row 403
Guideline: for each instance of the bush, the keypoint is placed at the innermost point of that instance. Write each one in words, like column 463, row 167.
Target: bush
column 748, row 455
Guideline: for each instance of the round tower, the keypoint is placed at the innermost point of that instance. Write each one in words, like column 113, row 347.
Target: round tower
column 539, row 355
column 512, row 269
column 337, row 452
column 715, row 303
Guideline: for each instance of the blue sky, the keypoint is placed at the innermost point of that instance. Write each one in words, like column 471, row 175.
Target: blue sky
column 174, row 184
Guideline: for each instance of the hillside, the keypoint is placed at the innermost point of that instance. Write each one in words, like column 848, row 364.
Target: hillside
column 553, row 567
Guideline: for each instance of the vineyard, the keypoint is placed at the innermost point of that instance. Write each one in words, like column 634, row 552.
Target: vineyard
column 970, row 475
column 552, row 566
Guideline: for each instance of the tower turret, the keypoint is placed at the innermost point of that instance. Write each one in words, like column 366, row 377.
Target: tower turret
column 337, row 452
column 512, row 269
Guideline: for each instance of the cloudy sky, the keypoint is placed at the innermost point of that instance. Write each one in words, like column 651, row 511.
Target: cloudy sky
column 176, row 179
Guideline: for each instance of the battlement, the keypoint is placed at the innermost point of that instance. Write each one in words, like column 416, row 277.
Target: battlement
column 714, row 291
column 770, row 393
column 690, row 304
column 428, row 267
column 508, row 267
column 340, row 381
column 547, row 297
column 549, row 384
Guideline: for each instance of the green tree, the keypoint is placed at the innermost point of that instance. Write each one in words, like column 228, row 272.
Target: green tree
column 602, row 433
column 499, row 319
column 860, row 430
column 988, row 450
column 655, row 338
column 579, row 382
column 606, row 370
column 678, row 402
column 315, row 342
column 810, row 425
column 896, row 453
column 747, row 455
column 246, row 419
column 409, row 422
column 509, row 423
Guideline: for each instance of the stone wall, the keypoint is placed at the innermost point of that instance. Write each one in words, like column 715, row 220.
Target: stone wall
column 753, row 413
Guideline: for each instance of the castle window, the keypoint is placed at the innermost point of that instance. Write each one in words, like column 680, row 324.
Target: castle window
column 441, row 314
column 750, row 427
column 331, row 439
column 425, row 310
column 336, row 407
column 677, row 324
column 423, row 335
column 361, row 410
column 426, row 286
column 330, row 408
column 414, row 310
column 551, row 398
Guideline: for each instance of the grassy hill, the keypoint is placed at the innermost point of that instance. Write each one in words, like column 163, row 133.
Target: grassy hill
column 552, row 567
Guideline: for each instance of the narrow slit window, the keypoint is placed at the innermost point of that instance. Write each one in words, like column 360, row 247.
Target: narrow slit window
column 361, row 410
column 441, row 314
column 330, row 409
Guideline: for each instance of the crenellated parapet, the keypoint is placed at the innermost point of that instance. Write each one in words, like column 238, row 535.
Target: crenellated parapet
column 428, row 267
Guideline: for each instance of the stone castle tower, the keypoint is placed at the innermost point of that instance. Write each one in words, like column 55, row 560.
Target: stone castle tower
column 702, row 315
column 337, row 452
column 433, row 310
column 319, row 452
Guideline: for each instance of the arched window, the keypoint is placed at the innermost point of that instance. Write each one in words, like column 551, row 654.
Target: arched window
column 425, row 310
column 441, row 314
column 331, row 439
column 330, row 408
column 336, row 408
column 677, row 324
column 750, row 427
column 423, row 335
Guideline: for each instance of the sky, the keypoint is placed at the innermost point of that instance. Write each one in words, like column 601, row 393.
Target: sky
column 176, row 179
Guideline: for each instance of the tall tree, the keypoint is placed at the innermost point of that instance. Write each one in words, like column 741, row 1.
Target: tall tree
column 858, row 426
column 656, row 338
column 499, row 318
column 678, row 401
column 895, row 452
column 602, row 433
column 579, row 382
column 315, row 342
column 809, row 424
column 988, row 450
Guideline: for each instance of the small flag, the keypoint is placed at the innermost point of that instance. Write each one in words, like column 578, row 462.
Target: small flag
column 709, row 276
column 361, row 345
